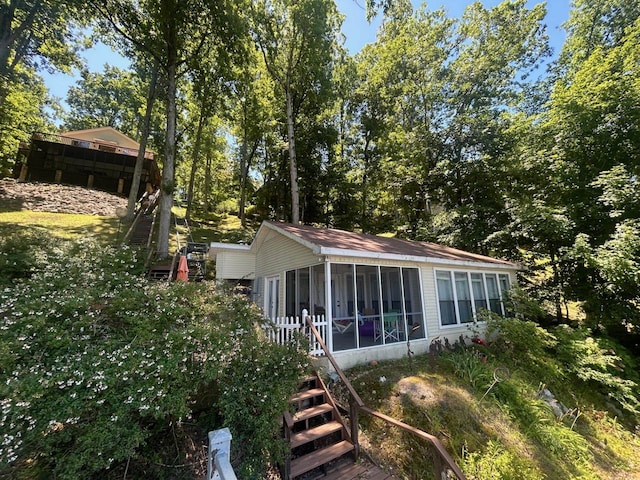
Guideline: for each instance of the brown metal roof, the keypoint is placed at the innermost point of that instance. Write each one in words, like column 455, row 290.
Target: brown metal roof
column 327, row 238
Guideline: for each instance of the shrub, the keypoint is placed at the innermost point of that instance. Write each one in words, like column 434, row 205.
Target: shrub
column 467, row 365
column 19, row 254
column 496, row 462
column 95, row 360
column 521, row 340
column 594, row 360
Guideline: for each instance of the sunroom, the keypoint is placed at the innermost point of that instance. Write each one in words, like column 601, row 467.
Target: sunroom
column 369, row 305
column 368, row 295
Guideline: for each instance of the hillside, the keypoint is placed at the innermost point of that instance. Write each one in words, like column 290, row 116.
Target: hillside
column 501, row 430
column 55, row 198
column 542, row 406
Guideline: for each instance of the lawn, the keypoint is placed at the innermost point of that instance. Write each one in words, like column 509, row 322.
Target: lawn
column 107, row 230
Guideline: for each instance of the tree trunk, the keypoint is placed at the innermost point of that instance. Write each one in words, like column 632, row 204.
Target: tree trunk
column 166, row 198
column 293, row 168
column 243, row 169
column 194, row 162
column 144, row 136
column 207, row 183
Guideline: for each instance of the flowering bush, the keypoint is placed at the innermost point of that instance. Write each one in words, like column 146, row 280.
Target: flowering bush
column 94, row 359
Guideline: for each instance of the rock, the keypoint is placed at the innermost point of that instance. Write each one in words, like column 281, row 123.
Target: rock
column 56, row 198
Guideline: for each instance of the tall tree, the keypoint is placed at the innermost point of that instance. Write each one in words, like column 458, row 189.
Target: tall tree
column 254, row 116
column 26, row 112
column 296, row 39
column 174, row 33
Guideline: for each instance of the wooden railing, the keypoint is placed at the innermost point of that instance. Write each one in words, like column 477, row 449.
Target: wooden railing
column 443, row 463
column 92, row 144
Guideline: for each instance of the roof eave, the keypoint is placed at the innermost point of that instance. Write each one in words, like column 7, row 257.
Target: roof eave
column 415, row 258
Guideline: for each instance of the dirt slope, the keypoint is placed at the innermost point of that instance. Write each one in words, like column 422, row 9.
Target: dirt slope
column 45, row 197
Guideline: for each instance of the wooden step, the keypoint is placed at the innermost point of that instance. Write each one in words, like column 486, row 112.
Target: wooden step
column 305, row 394
column 308, row 462
column 314, row 433
column 312, row 412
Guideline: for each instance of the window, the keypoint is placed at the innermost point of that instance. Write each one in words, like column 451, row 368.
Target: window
column 465, row 311
column 461, row 295
column 445, row 298
column 369, row 305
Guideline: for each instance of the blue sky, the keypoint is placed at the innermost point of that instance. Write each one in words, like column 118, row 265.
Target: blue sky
column 357, row 30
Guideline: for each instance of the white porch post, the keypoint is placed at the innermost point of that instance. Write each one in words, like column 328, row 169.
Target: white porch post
column 329, row 304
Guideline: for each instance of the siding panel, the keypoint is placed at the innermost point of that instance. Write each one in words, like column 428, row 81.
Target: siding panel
column 232, row 265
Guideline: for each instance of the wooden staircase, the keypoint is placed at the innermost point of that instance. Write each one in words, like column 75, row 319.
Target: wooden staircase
column 316, row 431
column 140, row 235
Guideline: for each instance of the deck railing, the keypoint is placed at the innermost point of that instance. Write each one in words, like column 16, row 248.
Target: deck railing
column 92, row 144
column 443, row 466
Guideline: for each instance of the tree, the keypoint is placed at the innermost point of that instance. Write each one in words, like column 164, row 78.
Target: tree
column 38, row 34
column 108, row 99
column 446, row 91
column 25, row 112
column 254, row 116
column 296, row 40
column 580, row 158
column 174, row 33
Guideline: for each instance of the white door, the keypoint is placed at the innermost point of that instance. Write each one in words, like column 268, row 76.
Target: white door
column 339, row 305
column 272, row 297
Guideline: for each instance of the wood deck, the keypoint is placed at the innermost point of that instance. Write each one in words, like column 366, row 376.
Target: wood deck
column 347, row 470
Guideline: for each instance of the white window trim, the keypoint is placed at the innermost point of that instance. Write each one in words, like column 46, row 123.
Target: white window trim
column 451, row 273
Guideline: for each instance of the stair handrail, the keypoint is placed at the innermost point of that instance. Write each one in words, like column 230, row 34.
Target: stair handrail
column 133, row 225
column 138, row 214
column 442, row 460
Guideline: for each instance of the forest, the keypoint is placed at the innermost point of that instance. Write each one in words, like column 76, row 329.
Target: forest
column 462, row 131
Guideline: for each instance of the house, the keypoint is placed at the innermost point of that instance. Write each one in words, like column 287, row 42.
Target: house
column 372, row 293
column 100, row 158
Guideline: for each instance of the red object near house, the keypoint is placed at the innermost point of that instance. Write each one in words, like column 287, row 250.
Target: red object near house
column 183, row 269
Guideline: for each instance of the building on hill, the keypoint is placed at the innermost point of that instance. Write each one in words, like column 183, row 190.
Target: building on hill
column 99, row 158
column 368, row 294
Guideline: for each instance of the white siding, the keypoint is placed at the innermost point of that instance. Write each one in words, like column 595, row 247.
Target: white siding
column 234, row 265
column 278, row 254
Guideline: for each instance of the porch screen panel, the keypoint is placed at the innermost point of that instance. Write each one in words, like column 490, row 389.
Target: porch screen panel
column 318, row 282
column 494, row 293
column 344, row 316
column 368, row 300
column 413, row 302
column 445, row 298
column 290, row 293
column 503, row 280
column 479, row 296
column 303, row 290
column 392, row 311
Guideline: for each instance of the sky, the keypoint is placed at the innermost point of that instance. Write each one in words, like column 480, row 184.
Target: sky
column 355, row 27
column 359, row 32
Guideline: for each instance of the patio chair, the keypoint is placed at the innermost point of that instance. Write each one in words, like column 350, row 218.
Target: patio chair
column 390, row 328
column 343, row 325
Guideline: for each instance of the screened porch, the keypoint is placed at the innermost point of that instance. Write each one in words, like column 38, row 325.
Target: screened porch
column 364, row 305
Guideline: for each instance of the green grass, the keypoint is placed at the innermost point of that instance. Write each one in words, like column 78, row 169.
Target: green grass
column 510, row 434
column 64, row 225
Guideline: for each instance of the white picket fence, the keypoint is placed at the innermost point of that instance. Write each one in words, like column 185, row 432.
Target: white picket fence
column 281, row 330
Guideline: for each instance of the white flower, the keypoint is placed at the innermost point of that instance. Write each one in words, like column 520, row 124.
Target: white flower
column 383, row 379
